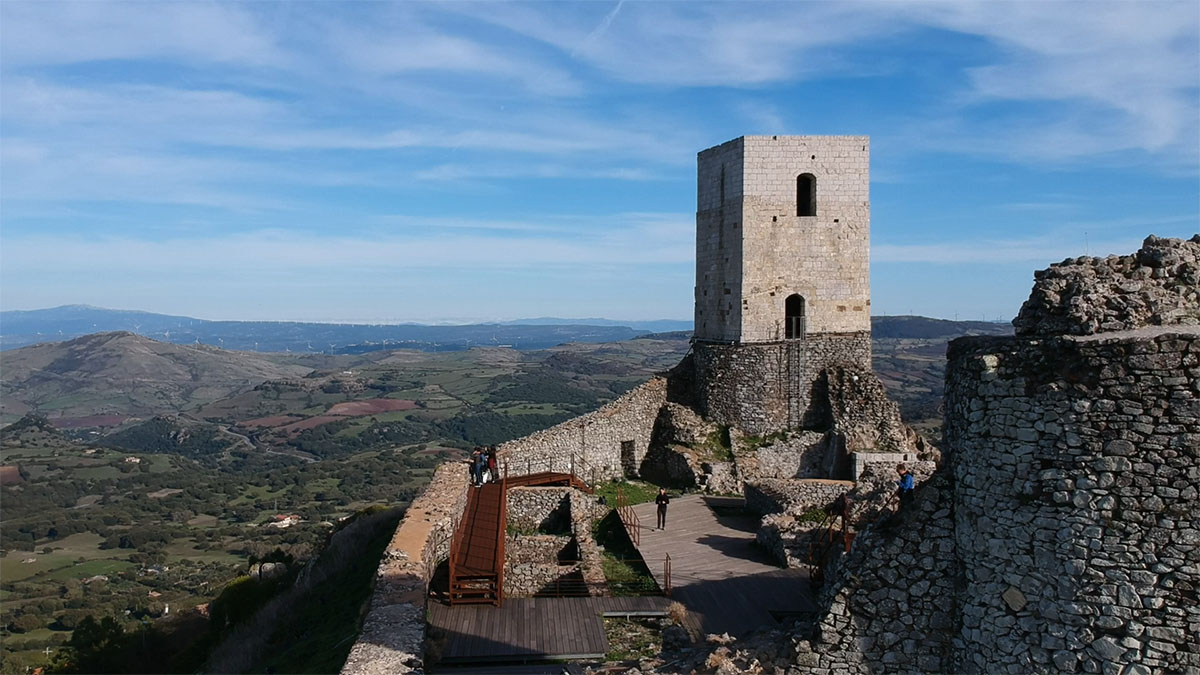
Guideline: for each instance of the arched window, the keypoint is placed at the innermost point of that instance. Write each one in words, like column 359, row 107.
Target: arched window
column 806, row 195
column 793, row 321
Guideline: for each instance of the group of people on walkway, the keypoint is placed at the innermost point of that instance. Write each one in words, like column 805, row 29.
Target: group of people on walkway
column 482, row 465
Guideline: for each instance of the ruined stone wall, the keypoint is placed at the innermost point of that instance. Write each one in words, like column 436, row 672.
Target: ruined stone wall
column 532, row 561
column 1077, row 518
column 889, row 604
column 863, row 414
column 598, row 437
column 798, row 455
column 770, row 495
column 1159, row 285
column 393, row 633
column 762, row 388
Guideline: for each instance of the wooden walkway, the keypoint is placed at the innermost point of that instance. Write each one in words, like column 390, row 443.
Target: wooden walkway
column 478, row 550
column 728, row 584
column 532, row 629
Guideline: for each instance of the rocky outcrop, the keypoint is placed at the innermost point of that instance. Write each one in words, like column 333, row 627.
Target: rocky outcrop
column 1157, row 286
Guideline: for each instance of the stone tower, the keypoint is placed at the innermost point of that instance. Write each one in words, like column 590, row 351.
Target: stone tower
column 782, row 275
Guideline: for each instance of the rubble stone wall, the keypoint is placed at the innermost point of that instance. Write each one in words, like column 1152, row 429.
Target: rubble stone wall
column 539, row 508
column 1159, row 285
column 889, row 604
column 393, row 633
column 761, row 388
column 1077, row 519
column 799, row 455
column 773, row 495
column 531, row 563
column 600, row 437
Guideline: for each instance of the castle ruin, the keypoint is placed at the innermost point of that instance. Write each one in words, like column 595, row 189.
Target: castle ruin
column 1060, row 534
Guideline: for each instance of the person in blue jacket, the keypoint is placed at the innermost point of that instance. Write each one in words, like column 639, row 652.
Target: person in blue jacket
column 905, row 485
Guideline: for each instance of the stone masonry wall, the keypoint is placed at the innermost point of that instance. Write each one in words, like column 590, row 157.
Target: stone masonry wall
column 539, row 508
column 798, row 455
column 1157, row 286
column 719, row 242
column 393, row 633
column 531, row 566
column 1077, row 519
column 772, row 495
column 761, row 388
column 531, row 563
column 753, row 249
column 889, row 604
column 598, row 437
column 824, row 257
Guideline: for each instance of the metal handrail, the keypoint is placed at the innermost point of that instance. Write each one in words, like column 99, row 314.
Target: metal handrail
column 500, row 538
column 629, row 517
column 574, row 464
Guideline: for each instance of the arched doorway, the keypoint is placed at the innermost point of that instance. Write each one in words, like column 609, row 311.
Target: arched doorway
column 793, row 317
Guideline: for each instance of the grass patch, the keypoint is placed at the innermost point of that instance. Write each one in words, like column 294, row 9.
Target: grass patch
column 631, row 640
column 717, row 446
column 636, row 491
column 624, row 569
column 90, row 568
column 814, row 515
column 754, row 442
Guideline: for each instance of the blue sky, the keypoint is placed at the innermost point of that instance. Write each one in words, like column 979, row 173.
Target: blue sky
column 474, row 161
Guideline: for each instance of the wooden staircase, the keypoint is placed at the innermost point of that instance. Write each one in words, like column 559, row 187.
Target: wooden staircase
column 477, row 551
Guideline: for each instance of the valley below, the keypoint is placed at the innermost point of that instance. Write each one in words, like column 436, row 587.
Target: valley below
column 142, row 480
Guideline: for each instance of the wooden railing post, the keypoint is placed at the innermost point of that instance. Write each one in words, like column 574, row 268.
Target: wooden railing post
column 667, row 573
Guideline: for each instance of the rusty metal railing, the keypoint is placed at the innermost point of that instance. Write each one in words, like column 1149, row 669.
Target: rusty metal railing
column 629, row 517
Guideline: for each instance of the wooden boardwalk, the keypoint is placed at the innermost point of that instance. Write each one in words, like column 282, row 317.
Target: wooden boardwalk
column 532, row 629
column 476, row 573
column 728, row 584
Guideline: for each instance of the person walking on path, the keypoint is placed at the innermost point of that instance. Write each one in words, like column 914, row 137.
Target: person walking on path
column 662, row 500
column 905, row 484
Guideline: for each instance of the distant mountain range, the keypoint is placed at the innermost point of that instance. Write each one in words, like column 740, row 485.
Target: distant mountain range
column 22, row 328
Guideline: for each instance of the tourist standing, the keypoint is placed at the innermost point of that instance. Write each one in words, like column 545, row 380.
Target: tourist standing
column 475, row 465
column 905, row 485
column 662, row 500
column 491, row 462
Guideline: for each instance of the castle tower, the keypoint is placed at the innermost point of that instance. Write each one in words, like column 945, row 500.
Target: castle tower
column 782, row 274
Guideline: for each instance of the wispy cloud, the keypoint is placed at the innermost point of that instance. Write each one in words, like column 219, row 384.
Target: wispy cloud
column 213, row 135
column 414, row 242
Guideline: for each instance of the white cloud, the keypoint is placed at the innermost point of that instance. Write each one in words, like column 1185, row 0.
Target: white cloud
column 618, row 239
column 54, row 33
